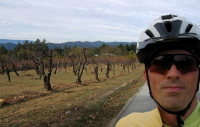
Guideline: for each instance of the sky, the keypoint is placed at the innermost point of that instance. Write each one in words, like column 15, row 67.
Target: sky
column 60, row 21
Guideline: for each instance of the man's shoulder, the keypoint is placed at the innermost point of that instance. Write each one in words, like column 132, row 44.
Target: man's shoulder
column 194, row 119
column 150, row 119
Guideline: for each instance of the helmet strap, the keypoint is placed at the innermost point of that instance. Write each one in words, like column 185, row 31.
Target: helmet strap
column 178, row 113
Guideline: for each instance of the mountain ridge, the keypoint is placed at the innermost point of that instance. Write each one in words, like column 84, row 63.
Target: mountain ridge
column 10, row 44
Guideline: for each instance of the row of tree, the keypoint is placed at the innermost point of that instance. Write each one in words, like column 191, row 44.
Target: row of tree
column 37, row 55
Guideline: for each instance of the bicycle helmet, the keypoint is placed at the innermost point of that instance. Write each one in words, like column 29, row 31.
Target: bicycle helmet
column 168, row 32
column 165, row 33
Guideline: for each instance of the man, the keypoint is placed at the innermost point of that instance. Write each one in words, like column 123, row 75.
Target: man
column 170, row 50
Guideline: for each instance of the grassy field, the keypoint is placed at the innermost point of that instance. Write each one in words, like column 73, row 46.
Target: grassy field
column 69, row 104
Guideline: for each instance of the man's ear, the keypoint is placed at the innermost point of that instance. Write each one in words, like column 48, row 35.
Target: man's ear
column 145, row 75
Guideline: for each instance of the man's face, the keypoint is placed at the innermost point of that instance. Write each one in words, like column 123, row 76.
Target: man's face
column 173, row 89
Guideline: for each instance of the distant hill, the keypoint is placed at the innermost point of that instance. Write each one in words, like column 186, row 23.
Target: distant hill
column 10, row 44
column 11, row 41
column 87, row 44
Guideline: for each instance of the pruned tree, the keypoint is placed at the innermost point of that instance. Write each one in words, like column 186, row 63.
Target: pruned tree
column 81, row 66
column 108, row 69
column 3, row 65
column 47, row 76
column 8, row 74
column 123, row 68
column 94, row 62
column 3, row 52
column 12, row 60
column 96, row 67
column 73, row 63
column 7, row 66
column 38, row 52
column 74, row 55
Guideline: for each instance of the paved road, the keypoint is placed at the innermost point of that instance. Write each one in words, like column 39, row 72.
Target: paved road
column 141, row 102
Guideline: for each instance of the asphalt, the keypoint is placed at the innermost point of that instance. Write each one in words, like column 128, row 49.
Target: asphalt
column 141, row 102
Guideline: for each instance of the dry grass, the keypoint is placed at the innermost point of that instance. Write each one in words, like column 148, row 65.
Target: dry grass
column 68, row 104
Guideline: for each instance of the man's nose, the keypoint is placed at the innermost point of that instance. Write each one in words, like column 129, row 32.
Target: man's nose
column 173, row 72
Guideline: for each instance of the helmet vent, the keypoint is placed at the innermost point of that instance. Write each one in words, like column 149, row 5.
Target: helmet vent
column 168, row 26
column 149, row 33
column 189, row 27
column 170, row 16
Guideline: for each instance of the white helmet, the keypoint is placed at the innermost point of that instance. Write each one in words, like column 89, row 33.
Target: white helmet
column 168, row 32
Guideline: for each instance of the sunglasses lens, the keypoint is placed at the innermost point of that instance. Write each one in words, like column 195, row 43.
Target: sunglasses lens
column 184, row 63
column 159, row 64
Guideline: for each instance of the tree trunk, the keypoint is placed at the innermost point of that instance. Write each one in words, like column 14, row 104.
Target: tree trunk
column 80, row 71
column 37, row 68
column 96, row 72
column 47, row 78
column 74, row 67
column 8, row 73
column 17, row 74
column 2, row 67
column 47, row 84
column 123, row 69
column 55, row 70
column 107, row 70
column 81, row 67
column 78, row 80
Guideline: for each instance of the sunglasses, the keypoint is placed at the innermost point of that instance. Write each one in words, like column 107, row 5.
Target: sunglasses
column 185, row 63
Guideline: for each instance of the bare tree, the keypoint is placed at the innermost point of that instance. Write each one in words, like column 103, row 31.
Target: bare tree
column 2, row 66
column 108, row 69
column 47, row 77
column 81, row 66
column 73, row 63
column 96, row 72
column 123, row 68
column 13, row 60
column 8, row 74
column 38, row 52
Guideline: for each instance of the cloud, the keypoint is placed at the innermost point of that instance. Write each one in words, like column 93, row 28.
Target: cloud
column 86, row 20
